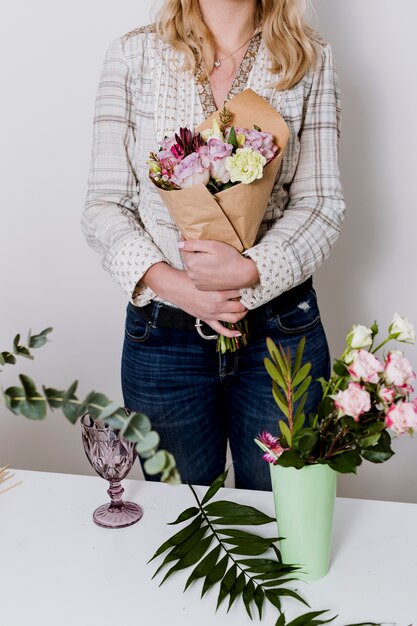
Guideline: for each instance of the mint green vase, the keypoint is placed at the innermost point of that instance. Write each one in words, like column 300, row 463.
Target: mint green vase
column 304, row 503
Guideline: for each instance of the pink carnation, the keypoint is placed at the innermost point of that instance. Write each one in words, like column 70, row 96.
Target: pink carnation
column 190, row 171
column 353, row 401
column 402, row 417
column 273, row 444
column 365, row 366
column 399, row 371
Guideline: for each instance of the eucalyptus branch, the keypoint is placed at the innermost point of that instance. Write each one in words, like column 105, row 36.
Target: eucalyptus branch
column 28, row 401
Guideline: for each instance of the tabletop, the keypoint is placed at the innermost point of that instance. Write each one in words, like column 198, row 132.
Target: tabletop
column 58, row 568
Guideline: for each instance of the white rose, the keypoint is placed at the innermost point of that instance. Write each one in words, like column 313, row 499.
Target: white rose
column 359, row 337
column 404, row 327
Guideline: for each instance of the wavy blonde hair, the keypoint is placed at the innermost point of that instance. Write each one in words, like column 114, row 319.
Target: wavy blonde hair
column 291, row 44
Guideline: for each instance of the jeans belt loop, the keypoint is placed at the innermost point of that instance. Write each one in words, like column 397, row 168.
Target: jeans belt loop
column 156, row 308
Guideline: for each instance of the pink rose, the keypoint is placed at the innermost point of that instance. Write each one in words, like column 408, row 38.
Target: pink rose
column 387, row 395
column 365, row 366
column 402, row 417
column 190, row 171
column 353, row 401
column 399, row 371
column 259, row 141
column 213, row 156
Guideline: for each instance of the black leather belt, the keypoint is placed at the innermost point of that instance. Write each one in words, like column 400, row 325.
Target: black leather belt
column 160, row 314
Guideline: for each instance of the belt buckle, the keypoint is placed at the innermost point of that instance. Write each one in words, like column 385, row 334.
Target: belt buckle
column 198, row 325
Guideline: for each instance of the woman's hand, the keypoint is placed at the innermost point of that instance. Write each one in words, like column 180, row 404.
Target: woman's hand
column 213, row 265
column 210, row 306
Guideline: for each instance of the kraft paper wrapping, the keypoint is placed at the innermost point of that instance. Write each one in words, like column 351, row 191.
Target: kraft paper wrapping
column 232, row 216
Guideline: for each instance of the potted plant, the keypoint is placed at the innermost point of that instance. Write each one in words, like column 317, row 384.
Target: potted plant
column 366, row 398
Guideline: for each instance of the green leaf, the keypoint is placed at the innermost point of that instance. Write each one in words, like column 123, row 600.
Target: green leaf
column 214, row 488
column 302, row 388
column 340, row 368
column 237, row 589
column 179, row 537
column 280, row 400
column 306, row 619
column 370, row 441
column 191, row 557
column 232, row 139
column 137, row 427
column 286, row 432
column 274, row 373
column 298, row 421
column 307, row 442
column 287, row 592
column 37, row 341
column 277, row 358
column 251, row 547
column 31, row 406
column 281, row 620
column 299, row 377
column 298, row 356
column 259, row 599
column 204, row 567
column 346, row 462
column 299, row 410
column 148, row 444
column 156, row 464
column 185, row 515
column 7, row 357
column 291, row 458
column 248, row 595
column 227, row 584
column 239, row 513
column 215, row 575
column 109, row 410
column 274, row 599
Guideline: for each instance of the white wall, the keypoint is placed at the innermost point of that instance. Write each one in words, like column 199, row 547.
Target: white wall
column 51, row 59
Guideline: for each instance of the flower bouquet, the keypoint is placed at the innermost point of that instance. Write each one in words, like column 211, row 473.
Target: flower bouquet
column 365, row 399
column 217, row 180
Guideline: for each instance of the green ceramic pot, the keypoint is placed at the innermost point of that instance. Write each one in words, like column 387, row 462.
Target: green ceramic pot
column 304, row 503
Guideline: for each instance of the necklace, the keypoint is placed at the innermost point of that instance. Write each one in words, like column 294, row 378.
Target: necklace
column 218, row 62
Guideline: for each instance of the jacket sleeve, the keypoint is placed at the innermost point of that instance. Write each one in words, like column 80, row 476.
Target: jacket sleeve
column 111, row 221
column 299, row 241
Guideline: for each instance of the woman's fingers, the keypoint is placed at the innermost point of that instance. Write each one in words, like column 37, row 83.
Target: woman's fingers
column 222, row 330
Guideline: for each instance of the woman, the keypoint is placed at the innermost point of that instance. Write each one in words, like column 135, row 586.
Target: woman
column 155, row 80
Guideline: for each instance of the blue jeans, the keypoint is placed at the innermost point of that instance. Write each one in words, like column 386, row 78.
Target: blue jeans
column 197, row 399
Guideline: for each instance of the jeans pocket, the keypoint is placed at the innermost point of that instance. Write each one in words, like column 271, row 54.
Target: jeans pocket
column 301, row 316
column 137, row 329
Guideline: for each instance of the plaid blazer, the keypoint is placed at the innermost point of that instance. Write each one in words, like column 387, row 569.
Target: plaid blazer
column 143, row 95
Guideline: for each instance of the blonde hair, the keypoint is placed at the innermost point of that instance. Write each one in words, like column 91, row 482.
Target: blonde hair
column 290, row 42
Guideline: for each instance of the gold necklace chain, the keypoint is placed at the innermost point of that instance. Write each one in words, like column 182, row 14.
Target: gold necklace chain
column 218, row 62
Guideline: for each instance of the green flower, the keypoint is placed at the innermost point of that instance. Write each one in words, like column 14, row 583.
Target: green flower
column 245, row 166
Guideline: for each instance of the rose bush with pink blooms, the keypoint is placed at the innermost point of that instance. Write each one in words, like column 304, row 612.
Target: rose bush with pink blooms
column 365, row 401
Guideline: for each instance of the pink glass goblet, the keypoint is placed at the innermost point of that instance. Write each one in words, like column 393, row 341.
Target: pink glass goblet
column 112, row 457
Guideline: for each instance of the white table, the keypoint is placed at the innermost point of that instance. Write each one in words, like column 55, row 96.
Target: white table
column 59, row 569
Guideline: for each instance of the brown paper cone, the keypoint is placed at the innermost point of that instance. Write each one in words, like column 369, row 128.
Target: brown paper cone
column 232, row 216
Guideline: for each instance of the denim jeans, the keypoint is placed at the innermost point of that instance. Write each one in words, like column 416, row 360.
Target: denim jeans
column 197, row 399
